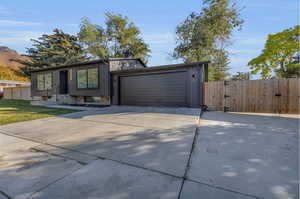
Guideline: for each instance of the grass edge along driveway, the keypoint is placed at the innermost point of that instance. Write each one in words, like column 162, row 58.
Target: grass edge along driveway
column 12, row 111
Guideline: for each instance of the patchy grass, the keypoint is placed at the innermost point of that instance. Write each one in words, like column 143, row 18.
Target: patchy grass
column 20, row 110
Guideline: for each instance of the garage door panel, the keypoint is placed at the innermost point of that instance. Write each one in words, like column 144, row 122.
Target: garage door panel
column 168, row 89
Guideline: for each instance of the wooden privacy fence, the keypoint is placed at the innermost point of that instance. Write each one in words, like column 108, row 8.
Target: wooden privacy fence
column 23, row 93
column 262, row 96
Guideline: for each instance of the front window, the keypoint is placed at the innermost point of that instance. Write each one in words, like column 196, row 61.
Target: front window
column 87, row 78
column 44, row 81
column 81, row 79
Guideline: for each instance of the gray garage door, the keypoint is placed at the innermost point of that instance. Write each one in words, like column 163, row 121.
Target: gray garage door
column 164, row 89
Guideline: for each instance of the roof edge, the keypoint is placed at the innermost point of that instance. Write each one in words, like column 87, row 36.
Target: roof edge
column 96, row 61
column 72, row 65
column 161, row 67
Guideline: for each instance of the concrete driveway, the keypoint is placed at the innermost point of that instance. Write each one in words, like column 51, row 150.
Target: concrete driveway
column 134, row 152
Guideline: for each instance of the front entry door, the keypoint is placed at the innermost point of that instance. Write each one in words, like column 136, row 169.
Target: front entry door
column 63, row 82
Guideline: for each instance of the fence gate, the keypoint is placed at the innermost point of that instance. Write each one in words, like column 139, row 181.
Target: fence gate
column 264, row 96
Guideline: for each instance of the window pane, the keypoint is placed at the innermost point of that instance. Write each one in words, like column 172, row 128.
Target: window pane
column 48, row 81
column 70, row 74
column 81, row 79
column 93, row 78
column 40, row 82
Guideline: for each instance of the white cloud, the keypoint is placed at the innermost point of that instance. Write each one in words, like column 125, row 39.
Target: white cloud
column 8, row 38
column 19, row 23
column 159, row 39
column 4, row 11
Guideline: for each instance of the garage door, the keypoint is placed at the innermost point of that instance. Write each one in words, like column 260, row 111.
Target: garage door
column 163, row 89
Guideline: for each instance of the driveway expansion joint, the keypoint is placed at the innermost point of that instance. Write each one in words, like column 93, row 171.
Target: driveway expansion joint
column 126, row 124
column 189, row 160
column 184, row 177
column 51, row 183
column 97, row 156
column 5, row 195
column 58, row 155
column 5, row 132
column 140, row 167
column 116, row 123
column 223, row 188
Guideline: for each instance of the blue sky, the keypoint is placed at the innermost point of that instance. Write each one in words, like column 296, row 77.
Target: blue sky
column 22, row 20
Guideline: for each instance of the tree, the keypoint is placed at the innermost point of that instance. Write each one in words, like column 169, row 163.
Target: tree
column 94, row 39
column 218, row 71
column 119, row 39
column 8, row 74
column 52, row 50
column 280, row 55
column 204, row 36
column 241, row 76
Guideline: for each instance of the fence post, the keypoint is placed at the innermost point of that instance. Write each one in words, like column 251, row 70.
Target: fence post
column 226, row 108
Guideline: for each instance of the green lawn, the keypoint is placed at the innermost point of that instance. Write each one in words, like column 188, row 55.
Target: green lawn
column 20, row 110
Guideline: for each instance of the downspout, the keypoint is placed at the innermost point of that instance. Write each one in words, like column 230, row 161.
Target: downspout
column 205, row 75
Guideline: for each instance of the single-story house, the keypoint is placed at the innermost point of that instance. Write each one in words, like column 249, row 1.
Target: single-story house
column 125, row 81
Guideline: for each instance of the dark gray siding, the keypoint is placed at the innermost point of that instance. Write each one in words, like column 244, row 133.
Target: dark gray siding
column 162, row 87
column 50, row 92
column 103, row 90
column 195, row 86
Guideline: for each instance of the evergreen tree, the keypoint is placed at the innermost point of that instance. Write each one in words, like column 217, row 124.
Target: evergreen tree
column 241, row 76
column 52, row 50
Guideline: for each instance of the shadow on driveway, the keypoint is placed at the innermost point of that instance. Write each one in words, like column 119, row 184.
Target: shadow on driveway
column 251, row 154
column 235, row 155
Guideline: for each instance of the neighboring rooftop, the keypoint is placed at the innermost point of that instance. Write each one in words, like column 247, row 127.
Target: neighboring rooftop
column 14, row 82
column 121, row 59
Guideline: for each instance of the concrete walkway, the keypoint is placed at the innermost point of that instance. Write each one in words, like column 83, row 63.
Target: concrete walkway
column 134, row 152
